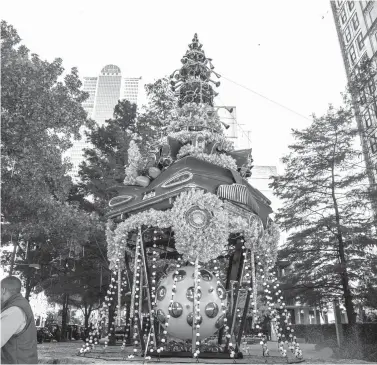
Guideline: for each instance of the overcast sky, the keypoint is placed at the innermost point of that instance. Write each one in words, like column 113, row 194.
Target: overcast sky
column 286, row 50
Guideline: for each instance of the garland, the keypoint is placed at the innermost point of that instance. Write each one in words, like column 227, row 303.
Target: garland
column 207, row 242
column 116, row 240
column 252, row 230
column 198, row 115
column 270, row 240
column 222, row 160
column 209, row 136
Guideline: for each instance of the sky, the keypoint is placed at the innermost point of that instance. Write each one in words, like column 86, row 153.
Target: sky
column 287, row 51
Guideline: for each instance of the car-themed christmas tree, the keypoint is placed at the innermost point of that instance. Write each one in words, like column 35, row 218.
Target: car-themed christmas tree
column 194, row 209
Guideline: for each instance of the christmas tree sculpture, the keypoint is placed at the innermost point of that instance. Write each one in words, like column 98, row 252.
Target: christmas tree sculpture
column 193, row 206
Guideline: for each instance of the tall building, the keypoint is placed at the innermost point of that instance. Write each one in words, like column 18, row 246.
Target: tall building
column 131, row 89
column 107, row 94
column 356, row 25
column 104, row 91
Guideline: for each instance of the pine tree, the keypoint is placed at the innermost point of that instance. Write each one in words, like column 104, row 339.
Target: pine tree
column 326, row 208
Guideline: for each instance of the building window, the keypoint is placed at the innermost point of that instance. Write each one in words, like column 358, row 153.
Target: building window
column 343, row 16
column 347, row 33
column 355, row 21
column 360, row 41
column 373, row 143
column 352, row 54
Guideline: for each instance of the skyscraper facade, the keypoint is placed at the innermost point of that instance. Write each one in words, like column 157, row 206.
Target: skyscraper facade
column 131, row 89
column 104, row 92
column 356, row 25
column 107, row 93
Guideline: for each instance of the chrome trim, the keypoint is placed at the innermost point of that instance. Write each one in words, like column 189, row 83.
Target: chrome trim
column 128, row 198
column 160, row 198
column 165, row 184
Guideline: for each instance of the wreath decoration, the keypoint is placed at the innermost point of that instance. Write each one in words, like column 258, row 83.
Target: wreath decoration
column 200, row 224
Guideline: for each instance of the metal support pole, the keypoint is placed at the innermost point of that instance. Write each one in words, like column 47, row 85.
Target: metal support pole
column 235, row 304
column 254, row 281
column 244, row 315
column 119, row 295
column 149, row 298
column 227, row 285
column 133, row 293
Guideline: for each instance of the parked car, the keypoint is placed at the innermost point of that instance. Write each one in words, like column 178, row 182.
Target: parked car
column 44, row 335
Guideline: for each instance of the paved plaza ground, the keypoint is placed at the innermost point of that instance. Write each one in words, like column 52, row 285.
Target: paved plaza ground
column 65, row 353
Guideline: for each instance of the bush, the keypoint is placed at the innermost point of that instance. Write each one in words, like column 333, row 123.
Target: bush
column 359, row 340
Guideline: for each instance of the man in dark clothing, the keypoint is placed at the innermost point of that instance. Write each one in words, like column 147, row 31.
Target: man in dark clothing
column 18, row 331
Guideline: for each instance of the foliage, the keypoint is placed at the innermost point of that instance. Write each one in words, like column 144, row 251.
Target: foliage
column 104, row 165
column 326, row 208
column 41, row 112
column 39, row 116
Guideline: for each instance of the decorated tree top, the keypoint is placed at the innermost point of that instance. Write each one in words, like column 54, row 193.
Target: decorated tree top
column 192, row 81
column 194, row 127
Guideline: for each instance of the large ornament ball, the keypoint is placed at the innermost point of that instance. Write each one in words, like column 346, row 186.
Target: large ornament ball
column 211, row 295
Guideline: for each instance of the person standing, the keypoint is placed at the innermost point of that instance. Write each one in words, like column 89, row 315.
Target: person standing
column 18, row 331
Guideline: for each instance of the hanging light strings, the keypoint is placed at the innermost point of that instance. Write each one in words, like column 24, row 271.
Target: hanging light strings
column 196, row 312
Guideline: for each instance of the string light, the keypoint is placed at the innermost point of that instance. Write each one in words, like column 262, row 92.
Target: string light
column 137, row 310
column 196, row 313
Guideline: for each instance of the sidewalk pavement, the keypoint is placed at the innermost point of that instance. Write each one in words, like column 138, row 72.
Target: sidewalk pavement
column 66, row 353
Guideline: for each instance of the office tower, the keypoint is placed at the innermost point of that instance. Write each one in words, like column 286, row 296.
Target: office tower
column 107, row 93
column 131, row 89
column 104, row 91
column 357, row 33
column 90, row 86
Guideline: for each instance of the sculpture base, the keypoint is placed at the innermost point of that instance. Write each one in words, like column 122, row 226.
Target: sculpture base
column 202, row 355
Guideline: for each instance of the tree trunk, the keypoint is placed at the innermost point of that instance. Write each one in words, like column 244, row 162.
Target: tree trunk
column 87, row 313
column 29, row 274
column 64, row 317
column 342, row 258
column 28, row 286
column 13, row 257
